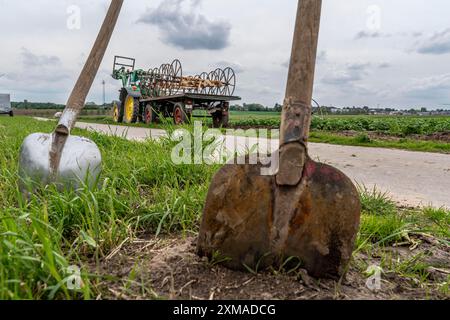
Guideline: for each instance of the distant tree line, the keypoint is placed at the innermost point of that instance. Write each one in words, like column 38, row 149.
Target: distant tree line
column 52, row 106
column 256, row 107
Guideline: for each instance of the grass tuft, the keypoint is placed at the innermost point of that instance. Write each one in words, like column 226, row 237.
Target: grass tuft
column 375, row 202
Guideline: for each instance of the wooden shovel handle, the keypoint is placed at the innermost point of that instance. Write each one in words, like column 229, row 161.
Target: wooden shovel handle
column 78, row 96
column 296, row 115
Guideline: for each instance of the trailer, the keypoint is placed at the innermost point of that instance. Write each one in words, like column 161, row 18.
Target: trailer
column 164, row 92
column 5, row 105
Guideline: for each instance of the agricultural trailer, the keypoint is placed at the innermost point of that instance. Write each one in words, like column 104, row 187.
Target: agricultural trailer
column 165, row 92
column 5, row 105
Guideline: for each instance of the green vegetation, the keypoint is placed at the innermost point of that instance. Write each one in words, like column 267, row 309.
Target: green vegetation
column 384, row 223
column 401, row 126
column 365, row 141
column 142, row 194
column 50, row 105
column 398, row 132
column 384, row 228
column 142, row 191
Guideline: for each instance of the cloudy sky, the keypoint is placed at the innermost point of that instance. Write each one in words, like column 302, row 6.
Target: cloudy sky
column 377, row 52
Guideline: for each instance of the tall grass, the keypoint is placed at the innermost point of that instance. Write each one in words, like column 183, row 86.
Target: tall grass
column 141, row 191
column 42, row 236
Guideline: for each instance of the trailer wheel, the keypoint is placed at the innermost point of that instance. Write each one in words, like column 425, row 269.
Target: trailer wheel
column 131, row 109
column 225, row 121
column 150, row 115
column 179, row 114
column 117, row 112
column 220, row 120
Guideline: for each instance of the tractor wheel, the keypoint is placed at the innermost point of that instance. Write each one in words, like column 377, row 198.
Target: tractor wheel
column 117, row 112
column 150, row 115
column 179, row 114
column 11, row 113
column 131, row 110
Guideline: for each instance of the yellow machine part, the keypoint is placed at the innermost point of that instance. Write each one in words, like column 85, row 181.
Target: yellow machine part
column 129, row 109
column 116, row 113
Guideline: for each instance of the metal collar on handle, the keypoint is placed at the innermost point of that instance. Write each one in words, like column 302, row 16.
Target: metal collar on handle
column 296, row 117
column 300, row 83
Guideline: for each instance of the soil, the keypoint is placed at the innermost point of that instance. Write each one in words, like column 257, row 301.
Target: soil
column 439, row 137
column 169, row 269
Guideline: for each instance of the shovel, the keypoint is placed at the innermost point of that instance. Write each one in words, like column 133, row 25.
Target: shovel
column 308, row 214
column 69, row 161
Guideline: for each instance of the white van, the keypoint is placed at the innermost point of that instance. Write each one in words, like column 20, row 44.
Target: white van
column 5, row 104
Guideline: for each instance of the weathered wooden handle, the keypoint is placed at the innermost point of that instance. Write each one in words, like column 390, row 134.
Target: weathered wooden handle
column 78, row 96
column 296, row 115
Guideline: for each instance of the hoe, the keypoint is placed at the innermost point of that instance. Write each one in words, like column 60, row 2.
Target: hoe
column 60, row 158
column 308, row 213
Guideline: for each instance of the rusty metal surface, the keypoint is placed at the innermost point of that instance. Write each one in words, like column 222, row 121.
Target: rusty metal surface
column 252, row 221
column 292, row 160
column 237, row 217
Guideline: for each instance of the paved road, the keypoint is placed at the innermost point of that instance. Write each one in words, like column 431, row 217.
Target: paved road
column 412, row 178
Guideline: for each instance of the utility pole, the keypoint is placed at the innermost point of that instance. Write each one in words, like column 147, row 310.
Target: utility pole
column 104, row 94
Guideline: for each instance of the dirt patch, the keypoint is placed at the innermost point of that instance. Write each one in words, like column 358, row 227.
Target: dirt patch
column 170, row 269
column 439, row 137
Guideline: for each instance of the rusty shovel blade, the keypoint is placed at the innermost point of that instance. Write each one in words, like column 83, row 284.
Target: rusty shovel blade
column 251, row 222
column 80, row 163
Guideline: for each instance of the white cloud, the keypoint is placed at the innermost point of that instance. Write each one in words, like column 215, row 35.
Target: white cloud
column 187, row 29
column 255, row 38
column 439, row 43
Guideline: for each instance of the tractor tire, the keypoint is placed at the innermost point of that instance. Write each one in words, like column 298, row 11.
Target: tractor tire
column 131, row 110
column 180, row 116
column 117, row 112
column 150, row 116
column 11, row 113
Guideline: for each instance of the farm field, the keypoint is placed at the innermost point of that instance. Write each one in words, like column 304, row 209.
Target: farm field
column 429, row 134
column 401, row 126
column 134, row 236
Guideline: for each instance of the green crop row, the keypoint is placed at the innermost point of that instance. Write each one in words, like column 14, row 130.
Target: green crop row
column 399, row 126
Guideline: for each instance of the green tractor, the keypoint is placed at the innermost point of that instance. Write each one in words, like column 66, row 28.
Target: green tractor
column 164, row 92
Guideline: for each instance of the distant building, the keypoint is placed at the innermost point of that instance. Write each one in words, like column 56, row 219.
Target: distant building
column 5, row 103
column 334, row 110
